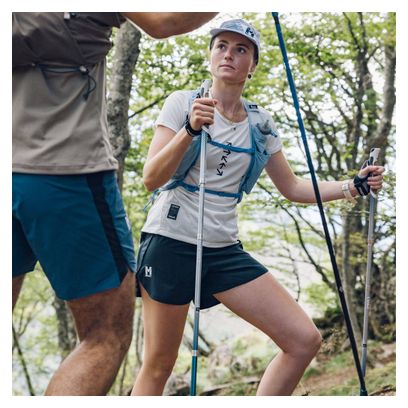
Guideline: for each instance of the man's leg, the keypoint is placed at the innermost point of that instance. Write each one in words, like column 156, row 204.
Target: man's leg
column 104, row 326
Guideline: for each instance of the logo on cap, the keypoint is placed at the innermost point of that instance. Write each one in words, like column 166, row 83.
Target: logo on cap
column 250, row 32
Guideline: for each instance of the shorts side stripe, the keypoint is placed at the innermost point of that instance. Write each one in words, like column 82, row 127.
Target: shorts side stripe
column 95, row 183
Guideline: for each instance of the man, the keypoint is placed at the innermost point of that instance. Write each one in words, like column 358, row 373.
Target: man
column 67, row 210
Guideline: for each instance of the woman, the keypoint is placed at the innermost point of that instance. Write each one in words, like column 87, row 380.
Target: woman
column 166, row 267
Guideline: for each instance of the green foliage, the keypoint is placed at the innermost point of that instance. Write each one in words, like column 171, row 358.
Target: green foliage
column 339, row 361
column 382, row 376
column 36, row 327
column 322, row 52
column 323, row 49
column 310, row 372
column 376, row 379
column 320, row 298
column 328, row 376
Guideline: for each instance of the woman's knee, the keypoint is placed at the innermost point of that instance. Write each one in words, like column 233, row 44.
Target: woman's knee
column 315, row 340
column 159, row 365
column 308, row 343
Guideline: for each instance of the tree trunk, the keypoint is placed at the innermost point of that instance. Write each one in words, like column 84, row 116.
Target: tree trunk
column 352, row 261
column 124, row 61
column 67, row 338
column 354, row 254
column 382, row 310
column 367, row 123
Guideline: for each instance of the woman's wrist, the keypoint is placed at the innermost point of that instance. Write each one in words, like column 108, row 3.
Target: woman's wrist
column 349, row 191
column 352, row 188
column 189, row 129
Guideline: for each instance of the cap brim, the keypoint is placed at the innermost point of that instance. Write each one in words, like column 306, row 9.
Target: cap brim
column 216, row 31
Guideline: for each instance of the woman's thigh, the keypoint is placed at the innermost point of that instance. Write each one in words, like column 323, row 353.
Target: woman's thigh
column 163, row 327
column 266, row 304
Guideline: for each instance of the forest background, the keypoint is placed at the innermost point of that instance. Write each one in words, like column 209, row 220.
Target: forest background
column 344, row 69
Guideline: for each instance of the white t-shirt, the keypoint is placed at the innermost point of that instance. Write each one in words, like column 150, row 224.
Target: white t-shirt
column 174, row 214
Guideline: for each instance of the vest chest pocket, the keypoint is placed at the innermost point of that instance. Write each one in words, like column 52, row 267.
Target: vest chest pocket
column 260, row 159
column 49, row 38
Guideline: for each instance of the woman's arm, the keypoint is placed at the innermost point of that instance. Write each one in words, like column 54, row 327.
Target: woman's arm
column 167, row 147
column 301, row 191
column 165, row 154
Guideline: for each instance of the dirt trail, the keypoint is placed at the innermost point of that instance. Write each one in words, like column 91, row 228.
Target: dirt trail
column 326, row 381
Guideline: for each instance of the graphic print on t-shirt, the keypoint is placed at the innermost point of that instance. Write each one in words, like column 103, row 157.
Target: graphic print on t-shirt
column 224, row 160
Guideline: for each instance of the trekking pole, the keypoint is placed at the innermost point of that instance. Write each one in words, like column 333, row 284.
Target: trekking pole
column 339, row 285
column 204, row 91
column 370, row 239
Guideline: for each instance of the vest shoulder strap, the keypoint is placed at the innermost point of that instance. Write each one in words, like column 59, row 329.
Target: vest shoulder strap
column 257, row 118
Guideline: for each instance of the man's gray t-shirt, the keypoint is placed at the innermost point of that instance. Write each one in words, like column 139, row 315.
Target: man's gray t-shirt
column 55, row 129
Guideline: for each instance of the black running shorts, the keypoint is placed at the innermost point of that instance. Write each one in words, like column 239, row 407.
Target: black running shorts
column 166, row 269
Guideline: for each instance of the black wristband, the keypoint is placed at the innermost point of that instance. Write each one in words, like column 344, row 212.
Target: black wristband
column 360, row 183
column 191, row 132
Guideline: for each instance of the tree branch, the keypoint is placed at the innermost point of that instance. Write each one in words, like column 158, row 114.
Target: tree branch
column 319, row 269
column 23, row 363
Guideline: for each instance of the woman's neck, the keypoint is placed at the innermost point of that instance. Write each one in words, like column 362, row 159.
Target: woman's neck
column 228, row 97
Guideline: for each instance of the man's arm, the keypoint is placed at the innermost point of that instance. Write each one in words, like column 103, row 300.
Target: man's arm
column 163, row 25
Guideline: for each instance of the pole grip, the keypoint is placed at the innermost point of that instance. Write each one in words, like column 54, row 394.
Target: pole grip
column 205, row 88
column 205, row 93
column 374, row 153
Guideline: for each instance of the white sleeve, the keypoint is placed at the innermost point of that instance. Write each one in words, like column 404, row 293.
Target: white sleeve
column 174, row 111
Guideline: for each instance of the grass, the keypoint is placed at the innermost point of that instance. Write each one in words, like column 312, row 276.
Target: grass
column 335, row 376
column 330, row 375
column 338, row 377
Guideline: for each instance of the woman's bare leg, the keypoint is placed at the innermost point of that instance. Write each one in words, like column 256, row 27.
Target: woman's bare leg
column 264, row 303
column 163, row 332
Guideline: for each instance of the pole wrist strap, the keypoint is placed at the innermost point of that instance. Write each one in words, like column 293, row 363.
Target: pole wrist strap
column 347, row 193
column 360, row 183
column 191, row 132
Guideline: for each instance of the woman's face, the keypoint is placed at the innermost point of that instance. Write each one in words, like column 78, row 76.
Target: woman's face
column 232, row 57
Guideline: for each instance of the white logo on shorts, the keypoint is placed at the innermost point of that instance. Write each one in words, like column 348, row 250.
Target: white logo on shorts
column 148, row 271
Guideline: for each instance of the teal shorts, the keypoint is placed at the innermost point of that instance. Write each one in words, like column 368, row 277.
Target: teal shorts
column 76, row 227
column 166, row 269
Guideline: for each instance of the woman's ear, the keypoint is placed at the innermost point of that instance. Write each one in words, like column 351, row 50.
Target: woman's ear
column 252, row 70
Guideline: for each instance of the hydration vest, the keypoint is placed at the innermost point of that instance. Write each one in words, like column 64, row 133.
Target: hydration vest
column 62, row 42
column 259, row 126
